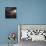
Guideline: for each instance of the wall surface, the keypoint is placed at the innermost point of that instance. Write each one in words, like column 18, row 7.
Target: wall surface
column 28, row 12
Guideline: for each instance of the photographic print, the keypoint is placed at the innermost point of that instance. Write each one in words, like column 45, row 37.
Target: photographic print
column 31, row 34
column 10, row 12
